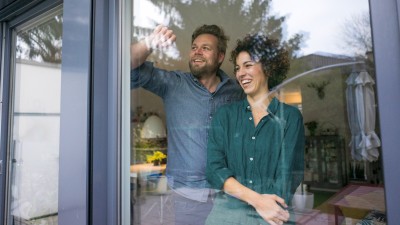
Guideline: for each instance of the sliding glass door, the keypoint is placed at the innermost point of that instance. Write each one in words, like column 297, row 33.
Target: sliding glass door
column 332, row 81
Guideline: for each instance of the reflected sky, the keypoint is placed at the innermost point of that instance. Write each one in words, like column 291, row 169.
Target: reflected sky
column 320, row 20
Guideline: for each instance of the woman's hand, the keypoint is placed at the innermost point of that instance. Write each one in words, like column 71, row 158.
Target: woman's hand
column 268, row 208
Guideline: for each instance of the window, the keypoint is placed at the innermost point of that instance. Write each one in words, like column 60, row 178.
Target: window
column 35, row 121
column 328, row 58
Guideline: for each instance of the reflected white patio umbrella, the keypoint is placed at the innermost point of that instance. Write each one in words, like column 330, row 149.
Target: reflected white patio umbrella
column 361, row 114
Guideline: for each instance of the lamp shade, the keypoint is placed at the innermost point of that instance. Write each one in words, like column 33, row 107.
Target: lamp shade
column 153, row 127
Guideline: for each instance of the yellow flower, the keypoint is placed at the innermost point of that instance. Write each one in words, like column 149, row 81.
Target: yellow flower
column 156, row 156
column 149, row 158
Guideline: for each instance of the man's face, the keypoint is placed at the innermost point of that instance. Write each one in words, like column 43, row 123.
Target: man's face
column 204, row 55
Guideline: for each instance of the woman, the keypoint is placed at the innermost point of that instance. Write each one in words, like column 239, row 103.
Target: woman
column 256, row 146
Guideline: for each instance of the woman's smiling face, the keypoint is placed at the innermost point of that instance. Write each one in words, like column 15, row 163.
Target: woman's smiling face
column 250, row 75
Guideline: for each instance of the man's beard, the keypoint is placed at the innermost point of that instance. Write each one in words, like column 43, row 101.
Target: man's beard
column 199, row 72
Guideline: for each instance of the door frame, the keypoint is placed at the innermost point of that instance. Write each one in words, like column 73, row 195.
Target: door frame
column 386, row 35
column 90, row 155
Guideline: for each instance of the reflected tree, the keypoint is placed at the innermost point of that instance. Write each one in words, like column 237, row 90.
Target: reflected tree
column 237, row 17
column 41, row 43
column 356, row 34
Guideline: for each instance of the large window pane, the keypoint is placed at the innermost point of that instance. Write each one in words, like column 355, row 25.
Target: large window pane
column 33, row 185
column 331, row 81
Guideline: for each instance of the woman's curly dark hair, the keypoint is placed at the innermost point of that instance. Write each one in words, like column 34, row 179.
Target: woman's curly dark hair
column 273, row 57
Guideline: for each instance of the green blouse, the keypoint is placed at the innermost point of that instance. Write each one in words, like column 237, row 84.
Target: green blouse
column 267, row 158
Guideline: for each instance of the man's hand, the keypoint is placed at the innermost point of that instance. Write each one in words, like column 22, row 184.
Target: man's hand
column 161, row 37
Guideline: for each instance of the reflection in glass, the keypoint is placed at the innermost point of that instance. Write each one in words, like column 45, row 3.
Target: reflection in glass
column 33, row 190
column 325, row 53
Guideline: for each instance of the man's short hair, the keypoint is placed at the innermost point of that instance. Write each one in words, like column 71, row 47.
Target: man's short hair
column 215, row 30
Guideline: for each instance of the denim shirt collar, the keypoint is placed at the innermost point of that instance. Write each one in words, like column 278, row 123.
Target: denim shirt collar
column 220, row 73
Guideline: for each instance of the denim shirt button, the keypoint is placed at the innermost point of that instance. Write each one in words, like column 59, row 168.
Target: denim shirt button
column 253, row 138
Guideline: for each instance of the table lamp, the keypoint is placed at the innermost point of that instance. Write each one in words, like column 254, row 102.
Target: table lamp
column 153, row 127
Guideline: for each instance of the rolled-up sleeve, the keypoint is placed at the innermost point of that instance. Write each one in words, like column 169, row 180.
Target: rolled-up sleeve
column 141, row 75
column 153, row 79
column 217, row 170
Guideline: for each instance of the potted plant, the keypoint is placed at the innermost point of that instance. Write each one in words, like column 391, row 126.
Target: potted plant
column 312, row 127
column 303, row 200
column 156, row 158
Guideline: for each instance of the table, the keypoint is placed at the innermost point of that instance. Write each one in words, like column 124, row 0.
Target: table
column 358, row 197
column 147, row 168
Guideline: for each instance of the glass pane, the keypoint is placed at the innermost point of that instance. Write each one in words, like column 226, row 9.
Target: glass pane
column 331, row 81
column 33, row 189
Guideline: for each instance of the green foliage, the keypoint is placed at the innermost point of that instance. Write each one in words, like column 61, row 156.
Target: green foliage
column 42, row 43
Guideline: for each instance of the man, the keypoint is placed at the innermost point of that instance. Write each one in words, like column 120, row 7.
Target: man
column 190, row 100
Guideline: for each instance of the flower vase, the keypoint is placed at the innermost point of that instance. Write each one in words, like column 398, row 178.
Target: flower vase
column 303, row 201
column 156, row 162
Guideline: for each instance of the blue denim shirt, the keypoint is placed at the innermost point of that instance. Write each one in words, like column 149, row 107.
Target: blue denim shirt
column 189, row 108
